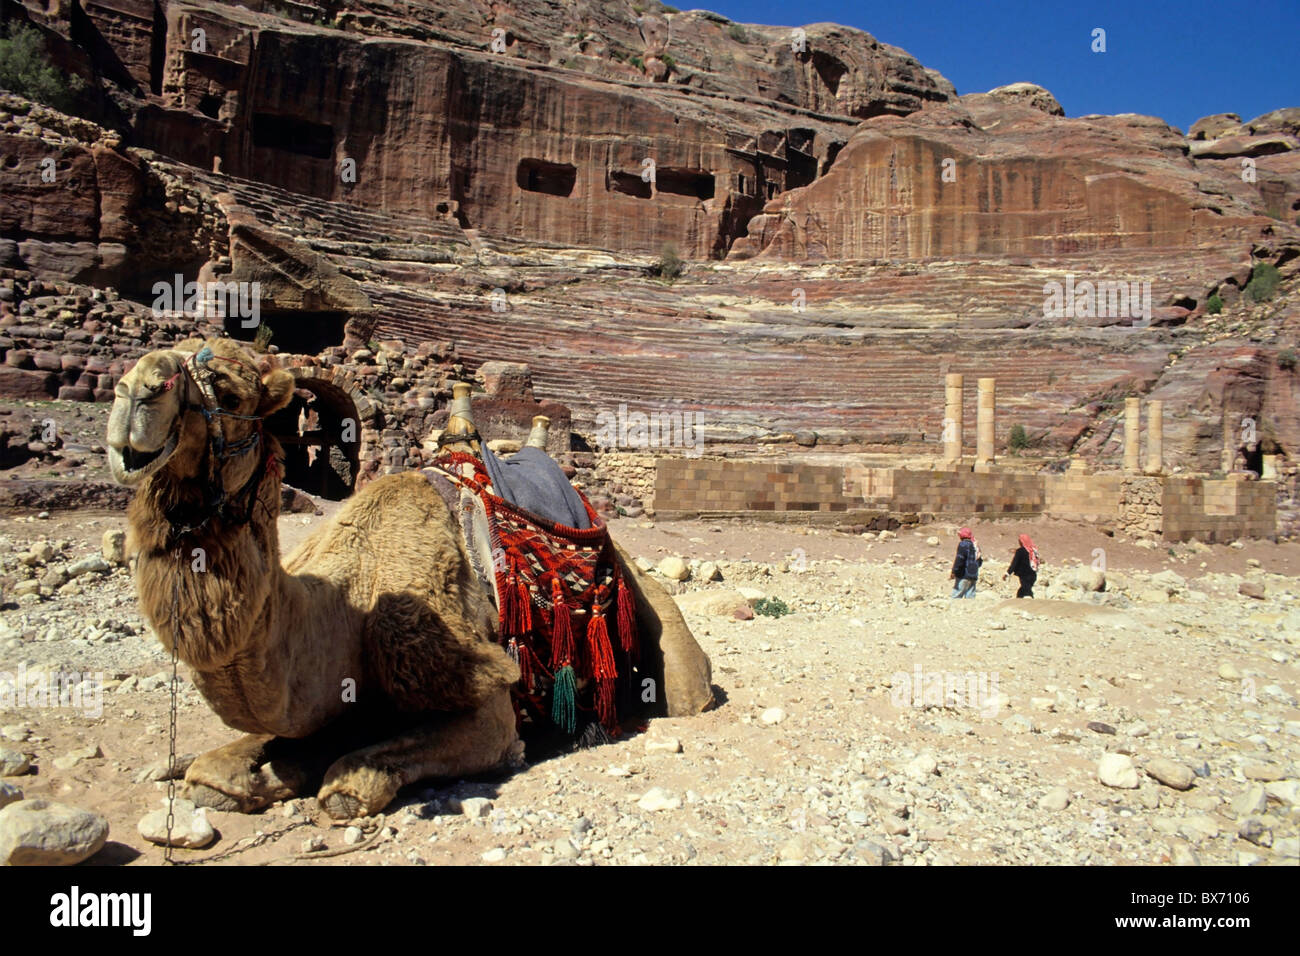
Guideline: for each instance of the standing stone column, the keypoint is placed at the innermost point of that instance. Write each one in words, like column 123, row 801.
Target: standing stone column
column 1229, row 453
column 952, row 420
column 984, row 422
column 1132, row 441
column 1155, row 438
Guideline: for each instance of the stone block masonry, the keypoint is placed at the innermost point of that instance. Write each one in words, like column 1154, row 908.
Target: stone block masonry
column 1145, row 506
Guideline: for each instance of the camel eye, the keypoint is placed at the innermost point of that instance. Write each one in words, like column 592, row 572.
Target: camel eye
column 230, row 401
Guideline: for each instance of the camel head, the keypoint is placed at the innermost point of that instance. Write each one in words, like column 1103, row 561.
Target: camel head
column 158, row 418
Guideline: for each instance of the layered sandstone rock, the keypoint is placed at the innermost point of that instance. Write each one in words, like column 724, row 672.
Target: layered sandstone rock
column 993, row 176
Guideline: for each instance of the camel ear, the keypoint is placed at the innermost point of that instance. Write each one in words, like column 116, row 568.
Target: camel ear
column 277, row 389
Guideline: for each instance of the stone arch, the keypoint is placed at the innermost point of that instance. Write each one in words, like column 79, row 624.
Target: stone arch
column 328, row 433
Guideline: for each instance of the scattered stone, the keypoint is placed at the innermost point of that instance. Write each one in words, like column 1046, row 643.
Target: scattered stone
column 74, row 757
column 922, row 767
column 1019, row 724
column 1262, row 771
column 43, row 833
column 494, row 855
column 1181, row 854
column 657, row 799
column 1058, row 798
column 1117, row 770
column 9, row 794
column 13, row 763
column 113, row 546
column 91, row 563
column 1251, row 589
column 872, row 854
column 1171, row 773
column 709, row 572
column 476, row 808
column 1097, row 727
column 352, row 836
column 1254, row 831
column 674, row 568
column 313, row 844
column 773, row 715
column 893, row 826
column 1228, row 672
column 564, row 849
column 190, row 826
column 157, row 771
column 668, row 745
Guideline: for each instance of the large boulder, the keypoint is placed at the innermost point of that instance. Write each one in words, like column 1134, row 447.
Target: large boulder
column 44, row 833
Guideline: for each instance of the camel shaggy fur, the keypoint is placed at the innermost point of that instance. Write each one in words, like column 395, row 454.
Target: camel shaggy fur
column 367, row 660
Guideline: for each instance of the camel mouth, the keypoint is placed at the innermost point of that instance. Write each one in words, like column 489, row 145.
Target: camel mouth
column 130, row 467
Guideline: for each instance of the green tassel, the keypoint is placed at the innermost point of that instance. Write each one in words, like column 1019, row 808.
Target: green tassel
column 563, row 696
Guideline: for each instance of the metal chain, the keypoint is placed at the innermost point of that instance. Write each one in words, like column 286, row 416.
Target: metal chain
column 171, row 730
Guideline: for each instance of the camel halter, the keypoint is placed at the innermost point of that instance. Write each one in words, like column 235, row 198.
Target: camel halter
column 217, row 503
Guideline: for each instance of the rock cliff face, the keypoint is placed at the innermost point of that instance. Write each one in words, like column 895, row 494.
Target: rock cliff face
column 992, row 176
column 501, row 175
column 531, row 120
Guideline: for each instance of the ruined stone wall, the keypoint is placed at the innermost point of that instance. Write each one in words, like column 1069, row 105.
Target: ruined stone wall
column 1141, row 499
column 1221, row 511
column 630, row 479
column 948, row 491
column 1174, row 508
column 715, row 484
column 1088, row 497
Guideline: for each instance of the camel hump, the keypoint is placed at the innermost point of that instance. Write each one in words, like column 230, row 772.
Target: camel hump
column 392, row 497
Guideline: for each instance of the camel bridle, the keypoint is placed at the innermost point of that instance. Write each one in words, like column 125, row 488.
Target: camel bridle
column 217, row 503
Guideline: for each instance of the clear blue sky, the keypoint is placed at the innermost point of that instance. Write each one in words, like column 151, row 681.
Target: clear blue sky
column 1176, row 59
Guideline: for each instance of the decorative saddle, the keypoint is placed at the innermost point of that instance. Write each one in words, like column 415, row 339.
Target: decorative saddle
column 567, row 614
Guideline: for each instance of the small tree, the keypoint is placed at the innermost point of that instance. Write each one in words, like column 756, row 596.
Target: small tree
column 1018, row 440
column 25, row 69
column 670, row 264
column 1263, row 282
column 1214, row 305
column 1286, row 359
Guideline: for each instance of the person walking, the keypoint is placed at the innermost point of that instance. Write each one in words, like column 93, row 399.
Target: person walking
column 1024, row 565
column 966, row 566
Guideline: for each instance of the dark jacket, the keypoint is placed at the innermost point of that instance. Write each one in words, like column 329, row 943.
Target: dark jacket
column 965, row 566
column 1022, row 567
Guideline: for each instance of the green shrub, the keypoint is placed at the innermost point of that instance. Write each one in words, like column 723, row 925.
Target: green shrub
column 670, row 264
column 1214, row 305
column 1263, row 282
column 1286, row 359
column 737, row 33
column 262, row 339
column 667, row 9
column 25, row 69
column 1018, row 439
column 637, row 62
column 771, row 607
column 669, row 61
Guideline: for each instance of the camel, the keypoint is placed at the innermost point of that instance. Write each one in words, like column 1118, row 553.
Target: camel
column 367, row 660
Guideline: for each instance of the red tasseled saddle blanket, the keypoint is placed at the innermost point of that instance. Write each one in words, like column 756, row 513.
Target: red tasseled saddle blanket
column 567, row 614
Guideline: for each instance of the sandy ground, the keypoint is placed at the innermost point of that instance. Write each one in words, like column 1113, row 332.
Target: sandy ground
column 818, row 751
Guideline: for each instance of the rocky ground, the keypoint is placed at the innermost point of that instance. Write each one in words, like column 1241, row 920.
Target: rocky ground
column 1179, row 689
